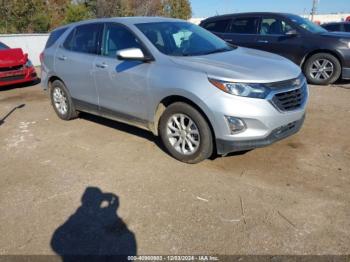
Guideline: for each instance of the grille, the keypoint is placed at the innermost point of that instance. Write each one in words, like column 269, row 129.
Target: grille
column 12, row 68
column 11, row 78
column 290, row 100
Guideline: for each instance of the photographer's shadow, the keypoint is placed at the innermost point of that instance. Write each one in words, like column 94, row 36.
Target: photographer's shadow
column 94, row 230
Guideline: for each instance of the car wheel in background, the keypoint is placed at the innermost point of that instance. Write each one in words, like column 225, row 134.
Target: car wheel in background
column 61, row 101
column 185, row 133
column 322, row 69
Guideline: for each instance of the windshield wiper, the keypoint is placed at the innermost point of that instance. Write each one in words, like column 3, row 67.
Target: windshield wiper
column 220, row 50
column 225, row 49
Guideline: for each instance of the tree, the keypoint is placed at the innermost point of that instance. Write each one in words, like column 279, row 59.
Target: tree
column 23, row 16
column 27, row 16
column 56, row 10
column 147, row 7
column 40, row 23
column 76, row 12
column 178, row 9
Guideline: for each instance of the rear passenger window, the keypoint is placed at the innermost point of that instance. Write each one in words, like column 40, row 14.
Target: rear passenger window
column 273, row 26
column 116, row 38
column 244, row 25
column 54, row 36
column 217, row 26
column 84, row 39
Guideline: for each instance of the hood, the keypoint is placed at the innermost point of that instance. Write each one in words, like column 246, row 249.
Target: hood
column 338, row 35
column 244, row 65
column 12, row 57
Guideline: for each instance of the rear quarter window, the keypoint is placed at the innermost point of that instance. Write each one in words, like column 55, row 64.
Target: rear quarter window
column 84, row 38
column 217, row 26
column 54, row 37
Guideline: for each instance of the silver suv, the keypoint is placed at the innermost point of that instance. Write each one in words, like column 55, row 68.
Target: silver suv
column 181, row 82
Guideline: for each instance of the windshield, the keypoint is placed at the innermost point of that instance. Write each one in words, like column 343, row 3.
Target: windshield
column 307, row 24
column 182, row 39
column 3, row 46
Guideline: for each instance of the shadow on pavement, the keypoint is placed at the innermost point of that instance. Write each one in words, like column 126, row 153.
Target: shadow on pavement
column 94, row 232
column 2, row 120
column 124, row 128
column 342, row 84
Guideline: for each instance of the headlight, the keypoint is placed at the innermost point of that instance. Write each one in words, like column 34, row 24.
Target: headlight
column 346, row 42
column 29, row 63
column 241, row 89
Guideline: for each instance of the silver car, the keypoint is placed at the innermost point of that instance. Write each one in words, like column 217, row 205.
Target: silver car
column 177, row 80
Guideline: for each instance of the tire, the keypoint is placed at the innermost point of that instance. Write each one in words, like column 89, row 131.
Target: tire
column 196, row 139
column 57, row 101
column 312, row 69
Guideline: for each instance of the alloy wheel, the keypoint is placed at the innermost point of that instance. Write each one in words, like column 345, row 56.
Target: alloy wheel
column 322, row 69
column 183, row 134
column 60, row 101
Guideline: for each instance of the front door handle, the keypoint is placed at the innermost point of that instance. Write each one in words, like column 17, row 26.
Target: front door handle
column 62, row 57
column 263, row 41
column 103, row 65
column 228, row 40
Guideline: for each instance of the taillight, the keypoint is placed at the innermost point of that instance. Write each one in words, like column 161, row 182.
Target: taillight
column 41, row 57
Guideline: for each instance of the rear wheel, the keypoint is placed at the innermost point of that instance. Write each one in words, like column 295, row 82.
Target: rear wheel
column 61, row 101
column 185, row 133
column 322, row 69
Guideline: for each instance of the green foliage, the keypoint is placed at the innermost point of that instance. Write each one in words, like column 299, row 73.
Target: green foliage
column 21, row 16
column 178, row 9
column 40, row 23
column 27, row 16
column 76, row 12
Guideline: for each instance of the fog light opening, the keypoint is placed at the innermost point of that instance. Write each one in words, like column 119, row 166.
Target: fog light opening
column 235, row 124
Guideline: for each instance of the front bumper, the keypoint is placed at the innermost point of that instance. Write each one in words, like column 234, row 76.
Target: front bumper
column 266, row 120
column 227, row 146
column 25, row 75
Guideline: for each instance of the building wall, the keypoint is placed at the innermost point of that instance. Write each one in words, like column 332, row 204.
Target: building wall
column 32, row 44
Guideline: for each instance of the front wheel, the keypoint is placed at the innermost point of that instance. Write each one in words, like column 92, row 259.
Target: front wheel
column 322, row 69
column 185, row 133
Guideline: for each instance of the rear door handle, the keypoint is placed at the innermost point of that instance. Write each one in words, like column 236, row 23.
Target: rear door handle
column 103, row 65
column 228, row 40
column 263, row 41
column 62, row 57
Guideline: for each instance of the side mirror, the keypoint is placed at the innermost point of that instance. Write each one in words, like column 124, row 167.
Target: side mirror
column 132, row 54
column 292, row 32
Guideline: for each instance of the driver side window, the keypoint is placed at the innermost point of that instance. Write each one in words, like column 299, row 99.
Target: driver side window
column 273, row 26
column 117, row 37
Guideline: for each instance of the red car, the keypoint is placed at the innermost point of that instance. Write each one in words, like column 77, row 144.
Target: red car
column 15, row 67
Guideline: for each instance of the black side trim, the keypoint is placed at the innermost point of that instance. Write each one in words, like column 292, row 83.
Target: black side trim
column 111, row 114
column 85, row 106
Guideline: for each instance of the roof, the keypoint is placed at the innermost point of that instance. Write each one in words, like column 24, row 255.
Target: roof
column 127, row 20
column 247, row 14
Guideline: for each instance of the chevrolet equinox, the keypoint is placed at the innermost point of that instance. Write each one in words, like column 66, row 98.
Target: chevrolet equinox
column 177, row 80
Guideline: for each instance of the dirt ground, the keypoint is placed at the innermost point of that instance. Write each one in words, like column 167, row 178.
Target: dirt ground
column 288, row 198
